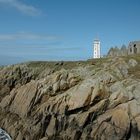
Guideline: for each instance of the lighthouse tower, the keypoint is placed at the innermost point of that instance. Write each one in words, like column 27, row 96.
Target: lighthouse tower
column 96, row 49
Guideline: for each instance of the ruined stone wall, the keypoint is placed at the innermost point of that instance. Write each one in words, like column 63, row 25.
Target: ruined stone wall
column 134, row 47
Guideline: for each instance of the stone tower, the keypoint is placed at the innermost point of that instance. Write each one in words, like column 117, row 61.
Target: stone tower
column 96, row 48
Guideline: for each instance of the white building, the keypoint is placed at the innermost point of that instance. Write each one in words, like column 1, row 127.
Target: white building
column 96, row 49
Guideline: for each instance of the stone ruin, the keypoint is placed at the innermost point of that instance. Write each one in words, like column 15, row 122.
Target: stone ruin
column 132, row 49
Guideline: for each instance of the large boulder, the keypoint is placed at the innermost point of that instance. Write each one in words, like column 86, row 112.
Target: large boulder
column 132, row 62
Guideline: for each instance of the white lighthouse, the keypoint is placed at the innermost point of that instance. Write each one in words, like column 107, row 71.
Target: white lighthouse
column 96, row 48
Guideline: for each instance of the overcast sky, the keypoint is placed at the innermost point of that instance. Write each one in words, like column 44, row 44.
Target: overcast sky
column 64, row 29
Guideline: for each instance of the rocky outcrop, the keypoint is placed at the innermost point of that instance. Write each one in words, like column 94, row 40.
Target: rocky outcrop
column 100, row 101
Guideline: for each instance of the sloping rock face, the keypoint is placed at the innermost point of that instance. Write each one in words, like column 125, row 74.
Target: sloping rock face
column 96, row 101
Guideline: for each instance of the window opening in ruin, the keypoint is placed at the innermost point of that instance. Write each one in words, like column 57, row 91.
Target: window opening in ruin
column 135, row 49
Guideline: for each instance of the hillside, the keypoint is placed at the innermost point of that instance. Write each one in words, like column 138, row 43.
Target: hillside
column 85, row 100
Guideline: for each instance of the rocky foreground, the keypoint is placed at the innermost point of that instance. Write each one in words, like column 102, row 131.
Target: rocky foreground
column 91, row 100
